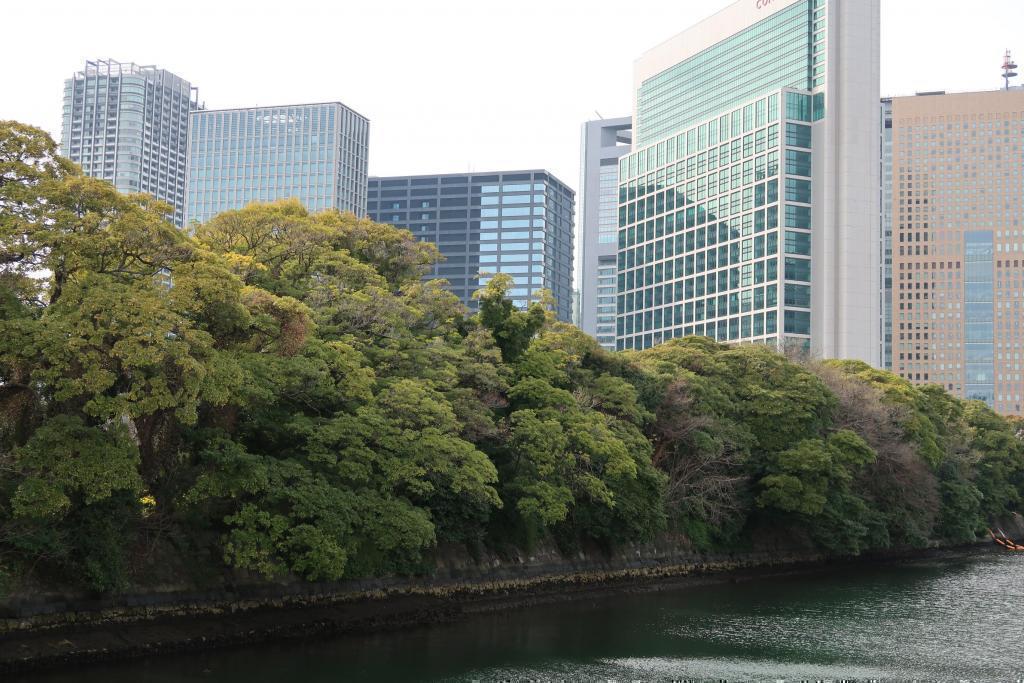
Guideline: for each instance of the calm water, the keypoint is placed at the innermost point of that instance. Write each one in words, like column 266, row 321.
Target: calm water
column 951, row 619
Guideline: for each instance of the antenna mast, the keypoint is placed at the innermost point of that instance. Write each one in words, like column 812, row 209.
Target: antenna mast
column 1009, row 69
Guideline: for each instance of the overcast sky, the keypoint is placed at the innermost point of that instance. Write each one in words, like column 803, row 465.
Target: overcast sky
column 448, row 85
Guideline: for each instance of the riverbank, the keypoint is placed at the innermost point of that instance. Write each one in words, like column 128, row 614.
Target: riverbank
column 136, row 626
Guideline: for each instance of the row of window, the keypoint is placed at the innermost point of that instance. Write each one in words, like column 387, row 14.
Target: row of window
column 750, row 328
column 657, row 293
column 461, row 188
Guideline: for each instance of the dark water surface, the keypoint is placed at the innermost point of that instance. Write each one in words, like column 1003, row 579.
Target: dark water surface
column 960, row 619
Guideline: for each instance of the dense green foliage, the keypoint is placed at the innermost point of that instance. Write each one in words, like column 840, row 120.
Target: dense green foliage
column 281, row 393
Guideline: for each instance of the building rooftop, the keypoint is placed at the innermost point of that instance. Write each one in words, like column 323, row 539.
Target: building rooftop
column 936, row 93
column 95, row 68
column 110, row 66
column 477, row 176
column 285, row 106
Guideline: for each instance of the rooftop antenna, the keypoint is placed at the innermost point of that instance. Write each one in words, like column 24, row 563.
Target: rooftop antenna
column 1009, row 69
column 599, row 115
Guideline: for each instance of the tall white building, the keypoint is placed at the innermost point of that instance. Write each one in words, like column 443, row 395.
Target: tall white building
column 128, row 124
column 603, row 143
column 749, row 207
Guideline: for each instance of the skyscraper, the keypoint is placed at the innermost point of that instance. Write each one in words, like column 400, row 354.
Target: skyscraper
column 749, row 207
column 603, row 143
column 129, row 124
column 515, row 222
column 316, row 153
column 958, row 243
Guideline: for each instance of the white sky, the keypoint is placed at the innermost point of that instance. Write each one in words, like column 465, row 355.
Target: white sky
column 448, row 85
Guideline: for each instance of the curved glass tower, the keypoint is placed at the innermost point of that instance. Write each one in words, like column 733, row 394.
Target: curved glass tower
column 128, row 124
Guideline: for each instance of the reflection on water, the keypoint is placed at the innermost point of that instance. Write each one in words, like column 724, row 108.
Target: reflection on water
column 958, row 619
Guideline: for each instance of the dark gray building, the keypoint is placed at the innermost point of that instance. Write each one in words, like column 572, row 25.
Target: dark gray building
column 515, row 222
column 603, row 143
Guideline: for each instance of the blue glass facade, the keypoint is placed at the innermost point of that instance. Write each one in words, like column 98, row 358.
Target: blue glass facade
column 316, row 153
column 520, row 223
column 715, row 230
column 979, row 315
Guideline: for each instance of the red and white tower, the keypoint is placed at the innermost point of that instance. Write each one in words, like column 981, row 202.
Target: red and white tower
column 1009, row 69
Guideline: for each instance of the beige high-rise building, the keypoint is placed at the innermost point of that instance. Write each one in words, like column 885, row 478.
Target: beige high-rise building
column 957, row 243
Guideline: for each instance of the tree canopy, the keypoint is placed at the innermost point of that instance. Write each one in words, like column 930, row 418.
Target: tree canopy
column 283, row 393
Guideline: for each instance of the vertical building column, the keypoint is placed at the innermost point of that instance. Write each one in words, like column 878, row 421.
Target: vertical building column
column 846, row 304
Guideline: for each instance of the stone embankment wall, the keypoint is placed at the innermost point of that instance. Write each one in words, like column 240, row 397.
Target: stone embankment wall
column 456, row 574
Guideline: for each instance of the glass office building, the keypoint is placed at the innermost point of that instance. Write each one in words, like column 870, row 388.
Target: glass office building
column 515, row 222
column 958, row 244
column 749, row 206
column 316, row 153
column 603, row 143
column 128, row 124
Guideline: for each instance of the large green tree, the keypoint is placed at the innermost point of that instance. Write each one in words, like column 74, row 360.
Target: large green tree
column 283, row 393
